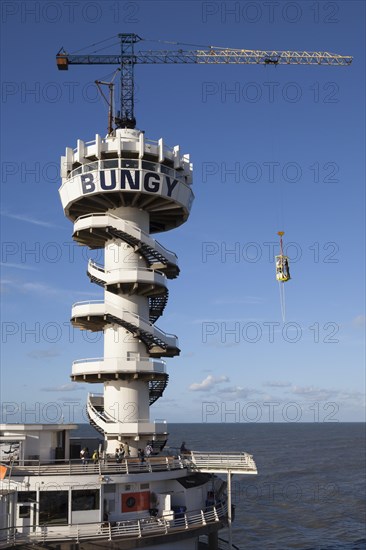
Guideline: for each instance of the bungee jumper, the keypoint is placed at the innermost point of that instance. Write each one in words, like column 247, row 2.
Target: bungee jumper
column 282, row 266
column 282, row 274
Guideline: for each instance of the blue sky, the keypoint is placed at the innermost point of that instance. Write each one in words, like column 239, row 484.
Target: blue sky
column 272, row 148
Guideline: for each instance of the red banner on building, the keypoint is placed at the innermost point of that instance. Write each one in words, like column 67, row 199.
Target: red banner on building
column 135, row 502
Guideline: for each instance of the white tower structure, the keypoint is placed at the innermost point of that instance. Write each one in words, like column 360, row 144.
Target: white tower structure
column 118, row 191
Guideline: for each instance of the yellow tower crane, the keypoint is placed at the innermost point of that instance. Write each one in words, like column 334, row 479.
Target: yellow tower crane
column 128, row 58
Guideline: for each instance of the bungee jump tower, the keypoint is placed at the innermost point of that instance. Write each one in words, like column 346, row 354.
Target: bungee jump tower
column 118, row 191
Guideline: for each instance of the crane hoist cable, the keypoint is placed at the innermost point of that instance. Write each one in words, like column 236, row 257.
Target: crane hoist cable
column 95, row 44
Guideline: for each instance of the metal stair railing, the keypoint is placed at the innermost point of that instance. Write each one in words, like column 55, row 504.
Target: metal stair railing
column 97, row 415
column 206, row 461
column 157, row 304
column 100, row 268
column 157, row 388
column 148, row 333
column 153, row 366
column 152, row 250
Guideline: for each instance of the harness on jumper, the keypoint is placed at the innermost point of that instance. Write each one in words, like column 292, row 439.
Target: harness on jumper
column 282, row 266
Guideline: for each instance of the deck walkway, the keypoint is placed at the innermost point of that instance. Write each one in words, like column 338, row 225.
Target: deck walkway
column 206, row 462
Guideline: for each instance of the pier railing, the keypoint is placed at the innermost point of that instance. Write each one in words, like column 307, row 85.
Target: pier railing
column 223, row 462
column 129, row 529
column 75, row 467
column 239, row 463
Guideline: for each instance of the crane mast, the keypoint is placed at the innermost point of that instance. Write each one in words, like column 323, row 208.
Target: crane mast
column 127, row 59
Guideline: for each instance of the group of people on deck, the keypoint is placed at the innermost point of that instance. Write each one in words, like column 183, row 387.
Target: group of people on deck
column 85, row 456
column 123, row 451
column 183, row 449
column 144, row 453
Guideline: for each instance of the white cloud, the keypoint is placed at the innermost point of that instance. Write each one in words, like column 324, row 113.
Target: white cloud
column 237, row 392
column 27, row 219
column 47, row 290
column 208, row 383
column 316, row 394
column 277, row 384
column 64, row 387
column 43, row 354
column 17, row 266
column 359, row 321
column 39, row 288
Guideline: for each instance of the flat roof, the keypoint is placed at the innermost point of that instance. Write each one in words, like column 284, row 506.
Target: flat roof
column 6, row 428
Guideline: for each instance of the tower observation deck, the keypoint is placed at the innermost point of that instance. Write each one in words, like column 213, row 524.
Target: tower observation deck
column 118, row 191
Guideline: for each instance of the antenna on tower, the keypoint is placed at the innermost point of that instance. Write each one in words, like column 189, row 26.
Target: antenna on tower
column 109, row 100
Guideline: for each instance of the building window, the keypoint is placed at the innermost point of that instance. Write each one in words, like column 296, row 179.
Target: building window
column 24, row 511
column 87, row 499
column 27, row 496
column 111, row 506
column 130, row 163
column 53, row 507
column 109, row 164
column 110, row 488
column 149, row 166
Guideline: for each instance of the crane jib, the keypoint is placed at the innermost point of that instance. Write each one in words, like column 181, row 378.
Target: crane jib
column 216, row 56
column 134, row 180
